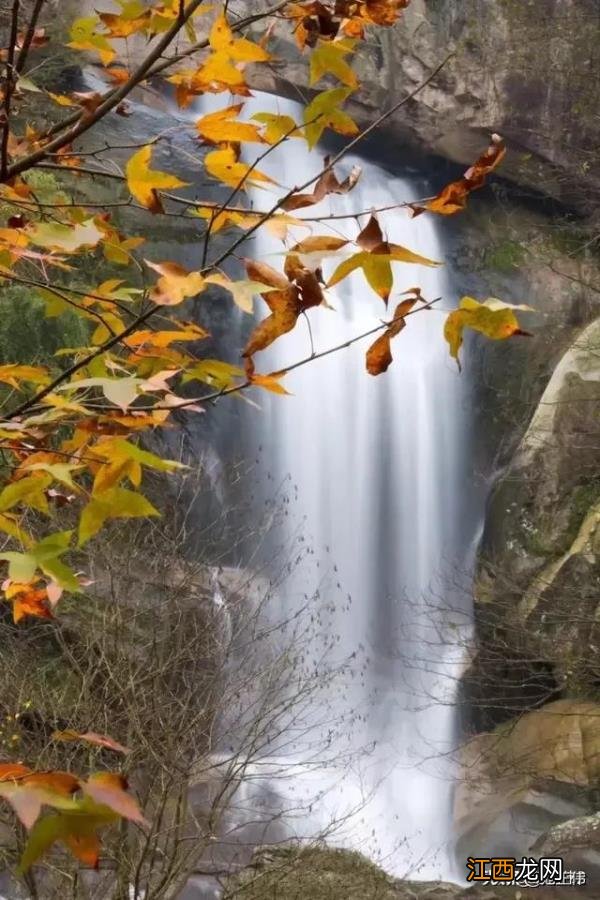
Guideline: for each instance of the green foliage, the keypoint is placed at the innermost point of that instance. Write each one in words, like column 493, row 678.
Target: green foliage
column 26, row 335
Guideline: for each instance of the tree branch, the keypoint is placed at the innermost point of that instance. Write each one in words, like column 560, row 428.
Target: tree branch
column 29, row 35
column 113, row 99
column 9, row 83
column 332, row 162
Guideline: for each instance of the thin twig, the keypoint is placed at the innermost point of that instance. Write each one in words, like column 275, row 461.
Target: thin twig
column 332, row 162
column 113, row 99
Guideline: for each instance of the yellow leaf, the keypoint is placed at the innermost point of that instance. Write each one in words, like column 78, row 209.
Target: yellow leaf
column 239, row 49
column 116, row 503
column 493, row 318
column 222, row 127
column 84, row 37
column 13, row 373
column 175, row 283
column 144, row 182
column 328, row 58
column 223, row 165
column 324, row 112
column 276, row 127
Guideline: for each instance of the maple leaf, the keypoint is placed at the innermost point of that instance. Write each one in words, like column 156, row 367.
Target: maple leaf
column 222, row 127
column 326, row 184
column 28, row 599
column 91, row 737
column 103, row 800
column 291, row 294
column 215, row 372
column 224, row 165
column 243, row 292
column 276, row 126
column 493, row 318
column 222, row 40
column 175, row 283
column 375, row 259
column 379, row 354
column 14, row 374
column 68, row 238
column 115, row 503
column 27, row 791
column 453, row 198
column 324, row 112
column 84, row 36
column 329, row 58
column 132, row 18
column 144, row 182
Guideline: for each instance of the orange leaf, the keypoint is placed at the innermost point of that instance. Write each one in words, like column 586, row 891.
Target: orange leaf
column 379, row 354
column 453, row 197
column 90, row 737
column 110, row 789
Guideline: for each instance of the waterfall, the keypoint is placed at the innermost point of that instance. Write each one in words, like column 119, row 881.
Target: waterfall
column 377, row 486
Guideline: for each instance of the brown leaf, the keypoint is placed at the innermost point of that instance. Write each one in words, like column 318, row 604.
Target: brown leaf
column 379, row 354
column 453, row 197
column 91, row 737
column 284, row 303
column 326, row 184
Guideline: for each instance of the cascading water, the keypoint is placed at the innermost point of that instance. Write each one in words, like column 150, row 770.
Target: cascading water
column 375, row 467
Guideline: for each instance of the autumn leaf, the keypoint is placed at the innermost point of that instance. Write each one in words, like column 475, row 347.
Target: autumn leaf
column 215, row 372
column 44, row 555
column 379, row 354
column 271, row 383
column 222, row 126
column 102, row 800
column 68, row 238
column 276, row 126
column 28, row 599
column 144, row 182
column 84, row 36
column 91, row 737
column 324, row 112
column 224, row 166
column 326, row 184
column 329, row 59
column 175, row 283
column 13, row 374
column 493, row 318
column 222, row 40
column 453, row 197
column 375, row 259
column 116, row 503
column 133, row 17
column 27, row 791
column 243, row 292
column 291, row 294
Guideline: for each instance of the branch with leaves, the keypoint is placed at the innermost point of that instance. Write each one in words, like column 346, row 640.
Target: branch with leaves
column 72, row 427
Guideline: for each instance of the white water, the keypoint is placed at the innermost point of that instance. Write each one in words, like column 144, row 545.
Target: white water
column 374, row 473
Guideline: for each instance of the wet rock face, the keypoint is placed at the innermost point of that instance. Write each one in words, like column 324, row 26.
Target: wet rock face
column 529, row 69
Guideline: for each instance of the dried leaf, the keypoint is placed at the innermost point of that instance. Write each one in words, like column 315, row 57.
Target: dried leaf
column 453, row 198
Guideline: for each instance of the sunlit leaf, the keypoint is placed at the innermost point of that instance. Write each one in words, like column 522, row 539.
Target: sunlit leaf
column 144, row 182
column 116, row 503
column 493, row 318
column 224, row 165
